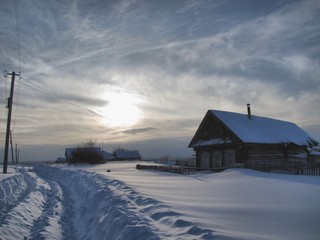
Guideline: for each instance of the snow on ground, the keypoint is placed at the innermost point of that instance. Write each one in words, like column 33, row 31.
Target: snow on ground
column 88, row 202
column 10, row 172
column 237, row 203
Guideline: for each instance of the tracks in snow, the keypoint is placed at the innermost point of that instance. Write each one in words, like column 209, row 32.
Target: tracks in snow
column 62, row 204
column 35, row 210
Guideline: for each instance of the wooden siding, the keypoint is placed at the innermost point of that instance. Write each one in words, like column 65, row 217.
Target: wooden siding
column 216, row 158
column 274, row 154
column 264, row 155
column 224, row 156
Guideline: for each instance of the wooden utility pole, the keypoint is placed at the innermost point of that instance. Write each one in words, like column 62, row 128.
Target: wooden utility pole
column 10, row 100
column 12, row 155
column 16, row 152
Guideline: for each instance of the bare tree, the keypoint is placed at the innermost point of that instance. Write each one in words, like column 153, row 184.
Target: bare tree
column 87, row 153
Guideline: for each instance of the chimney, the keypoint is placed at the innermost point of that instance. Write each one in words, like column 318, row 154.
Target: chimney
column 249, row 111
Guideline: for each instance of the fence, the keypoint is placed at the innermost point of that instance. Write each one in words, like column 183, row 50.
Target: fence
column 294, row 169
column 179, row 169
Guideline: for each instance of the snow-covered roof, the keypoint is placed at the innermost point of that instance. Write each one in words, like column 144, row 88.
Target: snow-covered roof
column 127, row 154
column 262, row 129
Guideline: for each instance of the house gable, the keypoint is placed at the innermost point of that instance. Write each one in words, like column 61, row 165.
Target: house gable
column 213, row 131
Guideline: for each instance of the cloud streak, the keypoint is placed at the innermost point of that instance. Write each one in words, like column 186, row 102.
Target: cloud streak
column 176, row 58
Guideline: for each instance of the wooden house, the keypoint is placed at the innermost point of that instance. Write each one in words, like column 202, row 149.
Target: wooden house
column 228, row 139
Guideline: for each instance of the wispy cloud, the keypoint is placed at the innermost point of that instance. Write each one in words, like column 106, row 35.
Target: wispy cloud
column 137, row 130
column 179, row 58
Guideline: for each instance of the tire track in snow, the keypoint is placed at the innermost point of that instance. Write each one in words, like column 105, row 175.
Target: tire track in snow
column 20, row 219
column 48, row 221
column 67, row 216
column 98, row 213
column 58, row 214
column 41, row 209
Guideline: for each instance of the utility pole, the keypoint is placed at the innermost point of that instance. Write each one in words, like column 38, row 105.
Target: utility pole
column 12, row 155
column 18, row 156
column 16, row 152
column 10, row 100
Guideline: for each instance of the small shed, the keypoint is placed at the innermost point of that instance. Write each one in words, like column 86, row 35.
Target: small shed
column 229, row 139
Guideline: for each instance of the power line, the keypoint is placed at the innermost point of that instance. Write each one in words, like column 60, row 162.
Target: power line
column 16, row 109
column 17, row 17
column 56, row 97
column 2, row 58
column 3, row 93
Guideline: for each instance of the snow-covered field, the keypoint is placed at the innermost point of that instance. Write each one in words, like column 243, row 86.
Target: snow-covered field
column 88, row 202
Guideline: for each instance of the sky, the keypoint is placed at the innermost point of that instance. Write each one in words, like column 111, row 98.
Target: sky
column 142, row 74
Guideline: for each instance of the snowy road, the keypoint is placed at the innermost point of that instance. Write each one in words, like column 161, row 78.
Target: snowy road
column 50, row 203
column 33, row 207
column 90, row 202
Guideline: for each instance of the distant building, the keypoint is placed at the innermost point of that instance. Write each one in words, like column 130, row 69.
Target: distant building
column 107, row 156
column 228, row 139
column 70, row 151
column 122, row 154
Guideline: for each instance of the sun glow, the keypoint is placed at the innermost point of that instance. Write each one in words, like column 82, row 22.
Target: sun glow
column 122, row 109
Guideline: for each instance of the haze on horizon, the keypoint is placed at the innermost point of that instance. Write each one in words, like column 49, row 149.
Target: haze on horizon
column 142, row 74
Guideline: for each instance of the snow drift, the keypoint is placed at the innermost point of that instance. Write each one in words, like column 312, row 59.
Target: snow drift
column 89, row 202
column 59, row 204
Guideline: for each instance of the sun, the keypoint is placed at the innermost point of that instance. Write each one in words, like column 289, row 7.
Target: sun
column 122, row 109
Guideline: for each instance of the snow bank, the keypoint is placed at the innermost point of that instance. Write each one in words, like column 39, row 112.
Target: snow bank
column 10, row 172
column 108, row 209
column 11, row 189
